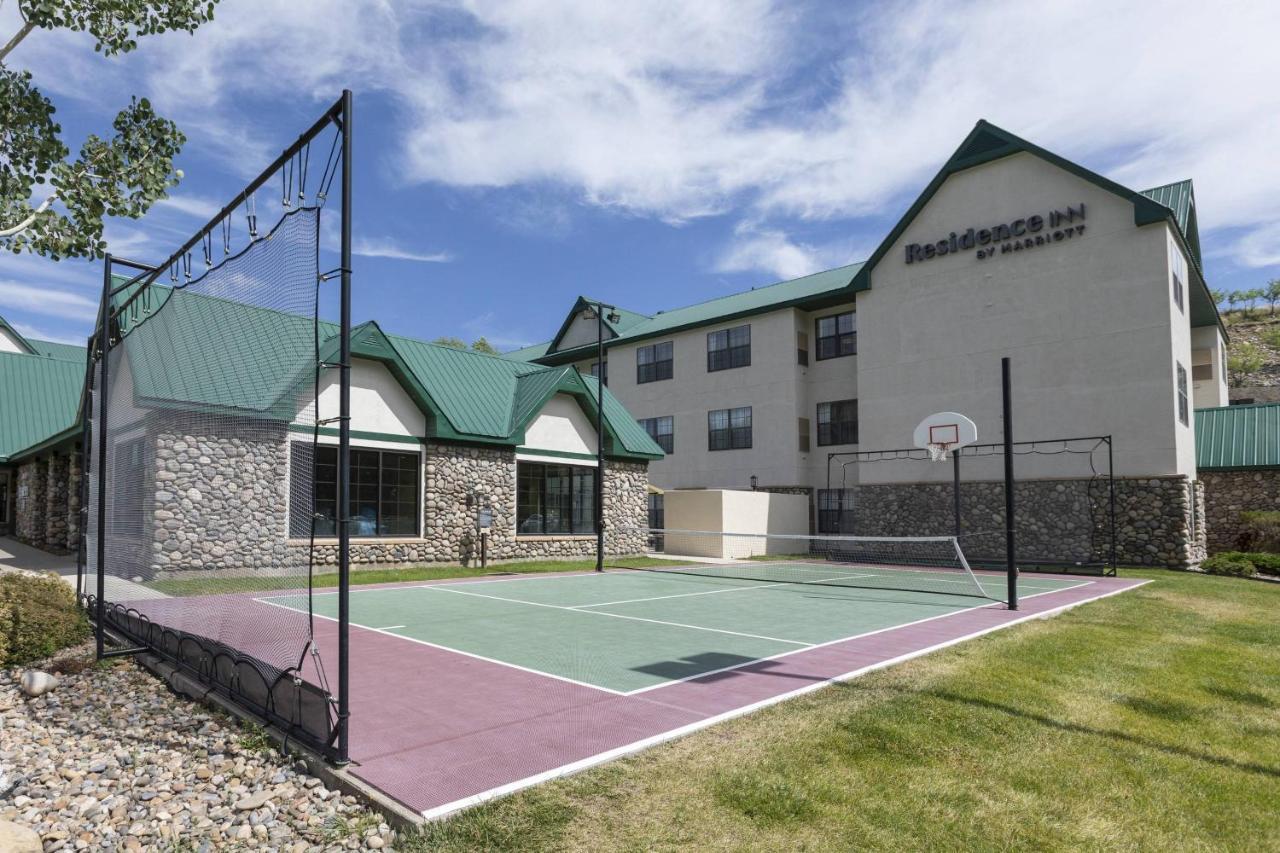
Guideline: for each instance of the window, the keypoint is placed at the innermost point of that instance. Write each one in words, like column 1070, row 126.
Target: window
column 803, row 424
column 657, row 512
column 729, row 348
column 1183, row 407
column 835, row 510
column 1178, row 268
column 653, row 362
column 554, row 499
column 128, row 470
column 1201, row 372
column 384, row 492
column 662, row 431
column 802, row 349
column 595, row 370
column 837, row 335
column 729, row 429
column 838, row 422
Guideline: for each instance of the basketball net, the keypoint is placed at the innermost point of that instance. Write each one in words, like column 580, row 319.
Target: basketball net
column 938, row 452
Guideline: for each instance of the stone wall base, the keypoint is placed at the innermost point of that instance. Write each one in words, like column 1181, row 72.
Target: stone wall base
column 1229, row 493
column 1059, row 522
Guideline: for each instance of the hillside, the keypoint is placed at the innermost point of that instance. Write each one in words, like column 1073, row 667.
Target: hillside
column 1255, row 356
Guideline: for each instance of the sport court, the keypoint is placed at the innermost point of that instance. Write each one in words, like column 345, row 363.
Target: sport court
column 467, row 689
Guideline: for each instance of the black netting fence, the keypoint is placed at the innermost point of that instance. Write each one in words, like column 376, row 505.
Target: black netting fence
column 1064, row 516
column 204, row 491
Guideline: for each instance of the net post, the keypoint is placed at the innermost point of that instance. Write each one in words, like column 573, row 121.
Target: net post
column 599, row 490
column 1010, row 545
column 1111, row 500
column 104, row 347
column 344, row 451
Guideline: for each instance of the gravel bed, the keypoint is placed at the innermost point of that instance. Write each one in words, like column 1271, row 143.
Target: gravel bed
column 112, row 760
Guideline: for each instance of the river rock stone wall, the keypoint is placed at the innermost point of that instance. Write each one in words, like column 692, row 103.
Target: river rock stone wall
column 456, row 473
column 75, row 478
column 217, row 501
column 1229, row 493
column 32, row 502
column 1059, row 521
column 56, row 494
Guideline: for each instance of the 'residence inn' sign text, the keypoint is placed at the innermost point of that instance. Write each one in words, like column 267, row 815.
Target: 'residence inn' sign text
column 1016, row 236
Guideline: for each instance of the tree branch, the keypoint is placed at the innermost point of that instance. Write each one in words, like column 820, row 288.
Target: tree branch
column 26, row 223
column 27, row 26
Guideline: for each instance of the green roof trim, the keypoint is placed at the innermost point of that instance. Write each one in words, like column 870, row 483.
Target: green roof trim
column 626, row 320
column 1236, row 438
column 39, row 401
column 987, row 143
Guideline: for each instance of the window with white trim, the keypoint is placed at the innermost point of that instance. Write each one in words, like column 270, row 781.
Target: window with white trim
column 1184, row 407
column 729, row 348
column 554, row 499
column 837, row 335
column 729, row 429
column 653, row 362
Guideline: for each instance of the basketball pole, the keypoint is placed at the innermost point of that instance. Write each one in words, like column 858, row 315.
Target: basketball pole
column 1009, row 543
column 955, row 476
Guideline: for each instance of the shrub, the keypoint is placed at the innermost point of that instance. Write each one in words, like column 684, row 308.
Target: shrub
column 1271, row 337
column 38, row 617
column 1266, row 563
column 1232, row 563
column 1260, row 531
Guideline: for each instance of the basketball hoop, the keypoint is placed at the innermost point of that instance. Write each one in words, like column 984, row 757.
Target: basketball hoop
column 943, row 432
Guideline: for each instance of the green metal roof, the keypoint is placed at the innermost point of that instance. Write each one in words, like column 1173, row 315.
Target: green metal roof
column 39, row 399
column 65, row 352
column 7, row 326
column 822, row 288
column 467, row 396
column 1238, row 437
column 1180, row 198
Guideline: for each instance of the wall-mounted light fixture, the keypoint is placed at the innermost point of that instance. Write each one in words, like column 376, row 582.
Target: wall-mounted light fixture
column 755, row 481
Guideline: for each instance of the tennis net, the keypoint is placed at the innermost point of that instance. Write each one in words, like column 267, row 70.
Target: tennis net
column 929, row 564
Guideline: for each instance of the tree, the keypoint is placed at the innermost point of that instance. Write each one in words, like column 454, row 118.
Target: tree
column 51, row 203
column 1233, row 298
column 1219, row 296
column 1272, row 294
column 1244, row 360
column 478, row 345
column 1252, row 298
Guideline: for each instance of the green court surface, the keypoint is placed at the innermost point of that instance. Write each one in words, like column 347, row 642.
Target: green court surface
column 632, row 631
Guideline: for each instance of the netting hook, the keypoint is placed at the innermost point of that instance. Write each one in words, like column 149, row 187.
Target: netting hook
column 251, row 215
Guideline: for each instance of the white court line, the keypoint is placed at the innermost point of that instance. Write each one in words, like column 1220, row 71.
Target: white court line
column 390, row 627
column 640, row 745
column 847, row 639
column 456, row 651
column 620, row 616
column 718, row 591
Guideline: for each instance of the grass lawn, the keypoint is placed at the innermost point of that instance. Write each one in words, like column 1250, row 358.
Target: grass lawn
column 211, row 586
column 1149, row 720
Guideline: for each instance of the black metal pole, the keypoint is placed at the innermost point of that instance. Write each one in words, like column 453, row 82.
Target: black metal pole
column 955, row 489
column 1009, row 544
column 344, row 450
column 599, row 437
column 104, row 347
column 1111, row 489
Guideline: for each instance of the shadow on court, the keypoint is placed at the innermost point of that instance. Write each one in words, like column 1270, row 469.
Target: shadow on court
column 711, row 667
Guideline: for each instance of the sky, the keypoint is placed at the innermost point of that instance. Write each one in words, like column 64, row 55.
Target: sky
column 512, row 155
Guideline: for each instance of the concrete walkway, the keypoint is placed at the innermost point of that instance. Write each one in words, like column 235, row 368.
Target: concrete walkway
column 14, row 556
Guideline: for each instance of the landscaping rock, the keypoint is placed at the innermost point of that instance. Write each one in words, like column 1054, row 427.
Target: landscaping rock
column 114, row 761
column 37, row 683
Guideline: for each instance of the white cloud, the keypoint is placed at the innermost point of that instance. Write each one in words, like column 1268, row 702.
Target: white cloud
column 47, row 301
column 497, row 333
column 384, row 247
column 197, row 207
column 1258, row 248
column 676, row 110
column 33, row 333
column 772, row 250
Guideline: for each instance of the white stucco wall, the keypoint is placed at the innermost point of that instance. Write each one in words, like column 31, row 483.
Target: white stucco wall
column 1086, row 321
column 582, row 331
column 730, row 511
column 9, row 343
column 562, row 426
column 378, row 402
column 770, row 385
column 1209, row 348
